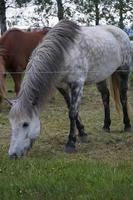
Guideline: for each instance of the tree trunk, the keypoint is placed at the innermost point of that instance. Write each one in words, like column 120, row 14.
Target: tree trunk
column 3, row 16
column 96, row 12
column 121, row 24
column 60, row 9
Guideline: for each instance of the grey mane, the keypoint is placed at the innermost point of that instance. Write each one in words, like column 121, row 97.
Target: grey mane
column 45, row 64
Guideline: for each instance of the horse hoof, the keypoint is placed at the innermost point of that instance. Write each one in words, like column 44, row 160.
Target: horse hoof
column 84, row 138
column 105, row 130
column 129, row 129
column 70, row 148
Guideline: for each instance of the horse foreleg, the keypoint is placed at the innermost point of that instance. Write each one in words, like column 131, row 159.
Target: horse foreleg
column 17, row 82
column 124, row 76
column 82, row 135
column 76, row 93
column 102, row 87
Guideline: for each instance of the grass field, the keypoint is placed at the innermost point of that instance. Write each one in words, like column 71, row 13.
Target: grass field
column 102, row 169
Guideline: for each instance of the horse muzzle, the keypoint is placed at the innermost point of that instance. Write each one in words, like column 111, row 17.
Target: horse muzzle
column 19, row 153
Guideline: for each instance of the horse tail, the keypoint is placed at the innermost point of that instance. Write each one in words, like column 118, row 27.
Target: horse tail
column 115, row 89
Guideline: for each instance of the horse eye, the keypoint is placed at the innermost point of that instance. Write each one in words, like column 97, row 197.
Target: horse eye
column 25, row 125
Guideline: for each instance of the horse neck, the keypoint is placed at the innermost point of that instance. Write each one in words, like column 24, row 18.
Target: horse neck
column 30, row 41
column 34, row 94
column 46, row 63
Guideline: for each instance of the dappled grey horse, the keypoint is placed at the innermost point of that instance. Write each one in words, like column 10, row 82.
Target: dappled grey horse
column 68, row 57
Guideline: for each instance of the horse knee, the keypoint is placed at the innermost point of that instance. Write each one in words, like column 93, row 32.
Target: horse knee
column 72, row 115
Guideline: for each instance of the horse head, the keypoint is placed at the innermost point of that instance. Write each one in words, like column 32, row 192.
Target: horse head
column 25, row 125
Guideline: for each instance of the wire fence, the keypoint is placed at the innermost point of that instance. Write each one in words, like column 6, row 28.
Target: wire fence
column 64, row 71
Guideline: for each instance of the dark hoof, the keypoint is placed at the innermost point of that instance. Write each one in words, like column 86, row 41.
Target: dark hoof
column 129, row 129
column 70, row 148
column 84, row 138
column 105, row 130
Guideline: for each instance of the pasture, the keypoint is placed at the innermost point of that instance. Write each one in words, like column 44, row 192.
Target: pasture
column 101, row 169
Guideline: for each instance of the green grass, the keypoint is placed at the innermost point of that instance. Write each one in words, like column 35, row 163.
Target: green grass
column 65, row 179
column 101, row 169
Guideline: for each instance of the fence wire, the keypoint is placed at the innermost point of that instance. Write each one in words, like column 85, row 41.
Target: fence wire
column 60, row 72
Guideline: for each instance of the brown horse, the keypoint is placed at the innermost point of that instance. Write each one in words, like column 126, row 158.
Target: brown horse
column 16, row 47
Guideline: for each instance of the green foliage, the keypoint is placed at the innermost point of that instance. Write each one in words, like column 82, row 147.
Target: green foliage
column 21, row 3
column 117, row 12
column 44, row 4
column 91, row 9
column 114, row 12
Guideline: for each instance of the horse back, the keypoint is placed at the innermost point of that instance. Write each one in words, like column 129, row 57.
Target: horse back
column 97, row 53
column 19, row 45
column 108, row 38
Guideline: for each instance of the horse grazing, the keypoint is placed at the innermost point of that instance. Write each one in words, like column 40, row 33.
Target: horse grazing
column 16, row 47
column 68, row 57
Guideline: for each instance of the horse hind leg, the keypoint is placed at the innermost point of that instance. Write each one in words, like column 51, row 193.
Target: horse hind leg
column 102, row 87
column 81, row 130
column 123, row 78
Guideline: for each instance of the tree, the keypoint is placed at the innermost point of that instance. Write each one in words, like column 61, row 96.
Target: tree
column 3, row 8
column 47, row 5
column 119, row 12
column 91, row 9
column 60, row 7
column 3, row 16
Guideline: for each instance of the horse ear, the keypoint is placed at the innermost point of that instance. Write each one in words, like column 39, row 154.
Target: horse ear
column 10, row 102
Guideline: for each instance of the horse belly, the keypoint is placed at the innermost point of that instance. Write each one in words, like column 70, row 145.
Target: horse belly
column 96, row 75
column 104, row 67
